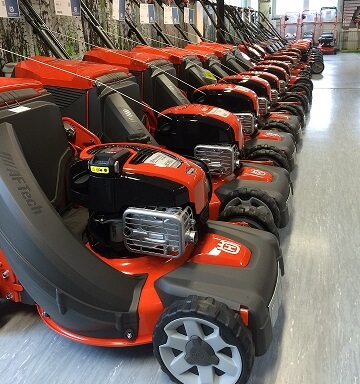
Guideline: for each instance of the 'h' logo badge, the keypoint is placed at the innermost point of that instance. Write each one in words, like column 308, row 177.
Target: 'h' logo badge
column 228, row 247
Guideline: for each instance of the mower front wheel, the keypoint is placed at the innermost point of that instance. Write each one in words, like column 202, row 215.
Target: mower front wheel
column 201, row 340
column 298, row 98
column 265, row 153
column 302, row 89
column 307, row 82
column 250, row 198
column 293, row 109
column 278, row 126
column 258, row 218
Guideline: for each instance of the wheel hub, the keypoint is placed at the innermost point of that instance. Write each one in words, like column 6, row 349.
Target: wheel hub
column 199, row 352
column 249, row 202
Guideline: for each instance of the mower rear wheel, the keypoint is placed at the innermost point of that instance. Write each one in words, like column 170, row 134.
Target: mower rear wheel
column 317, row 67
column 201, row 340
column 251, row 198
column 257, row 218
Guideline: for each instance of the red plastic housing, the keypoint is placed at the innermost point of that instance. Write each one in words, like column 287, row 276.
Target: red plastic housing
column 11, row 85
column 233, row 88
column 213, row 249
column 133, row 61
column 211, row 111
column 64, row 73
column 241, row 76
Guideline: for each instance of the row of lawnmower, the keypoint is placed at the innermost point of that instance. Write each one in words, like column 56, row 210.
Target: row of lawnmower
column 253, row 33
column 141, row 196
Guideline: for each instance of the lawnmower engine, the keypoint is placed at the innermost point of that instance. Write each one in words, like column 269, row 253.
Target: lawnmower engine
column 182, row 129
column 243, row 102
column 135, row 201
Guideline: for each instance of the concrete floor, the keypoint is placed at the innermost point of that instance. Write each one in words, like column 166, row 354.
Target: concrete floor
column 317, row 335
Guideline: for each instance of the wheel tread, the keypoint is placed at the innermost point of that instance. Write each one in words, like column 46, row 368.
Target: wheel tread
column 257, row 193
column 269, row 152
column 264, row 218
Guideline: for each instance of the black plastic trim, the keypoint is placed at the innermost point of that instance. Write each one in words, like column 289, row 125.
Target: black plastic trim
column 251, row 286
column 79, row 292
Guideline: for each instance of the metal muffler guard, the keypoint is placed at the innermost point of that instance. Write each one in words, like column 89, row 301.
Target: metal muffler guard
column 160, row 232
column 247, row 121
column 220, row 159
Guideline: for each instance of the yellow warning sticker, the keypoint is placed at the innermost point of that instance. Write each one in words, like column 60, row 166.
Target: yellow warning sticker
column 96, row 169
column 209, row 75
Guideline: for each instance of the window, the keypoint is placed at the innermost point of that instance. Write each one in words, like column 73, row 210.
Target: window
column 280, row 7
column 254, row 4
column 285, row 6
column 317, row 4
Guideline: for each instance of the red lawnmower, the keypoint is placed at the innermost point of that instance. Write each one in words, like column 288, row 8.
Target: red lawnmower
column 234, row 60
column 258, row 195
column 231, row 97
column 295, row 99
column 157, row 78
column 114, row 248
column 328, row 21
column 190, row 70
column 237, row 183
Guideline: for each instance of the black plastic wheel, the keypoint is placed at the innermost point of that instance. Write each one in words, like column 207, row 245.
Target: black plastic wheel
column 293, row 109
column 305, row 72
column 279, row 126
column 302, row 89
column 254, row 217
column 307, row 82
column 295, row 96
column 278, row 159
column 258, row 147
column 200, row 340
column 317, row 67
column 298, row 97
column 248, row 197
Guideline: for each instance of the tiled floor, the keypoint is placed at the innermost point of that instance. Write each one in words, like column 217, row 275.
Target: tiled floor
column 317, row 335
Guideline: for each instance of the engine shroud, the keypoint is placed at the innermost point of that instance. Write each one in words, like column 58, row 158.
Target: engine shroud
column 141, row 197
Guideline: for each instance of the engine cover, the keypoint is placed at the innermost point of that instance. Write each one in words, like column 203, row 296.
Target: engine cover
column 141, row 198
column 111, row 178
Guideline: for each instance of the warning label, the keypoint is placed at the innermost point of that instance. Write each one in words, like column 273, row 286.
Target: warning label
column 219, row 112
column 163, row 160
